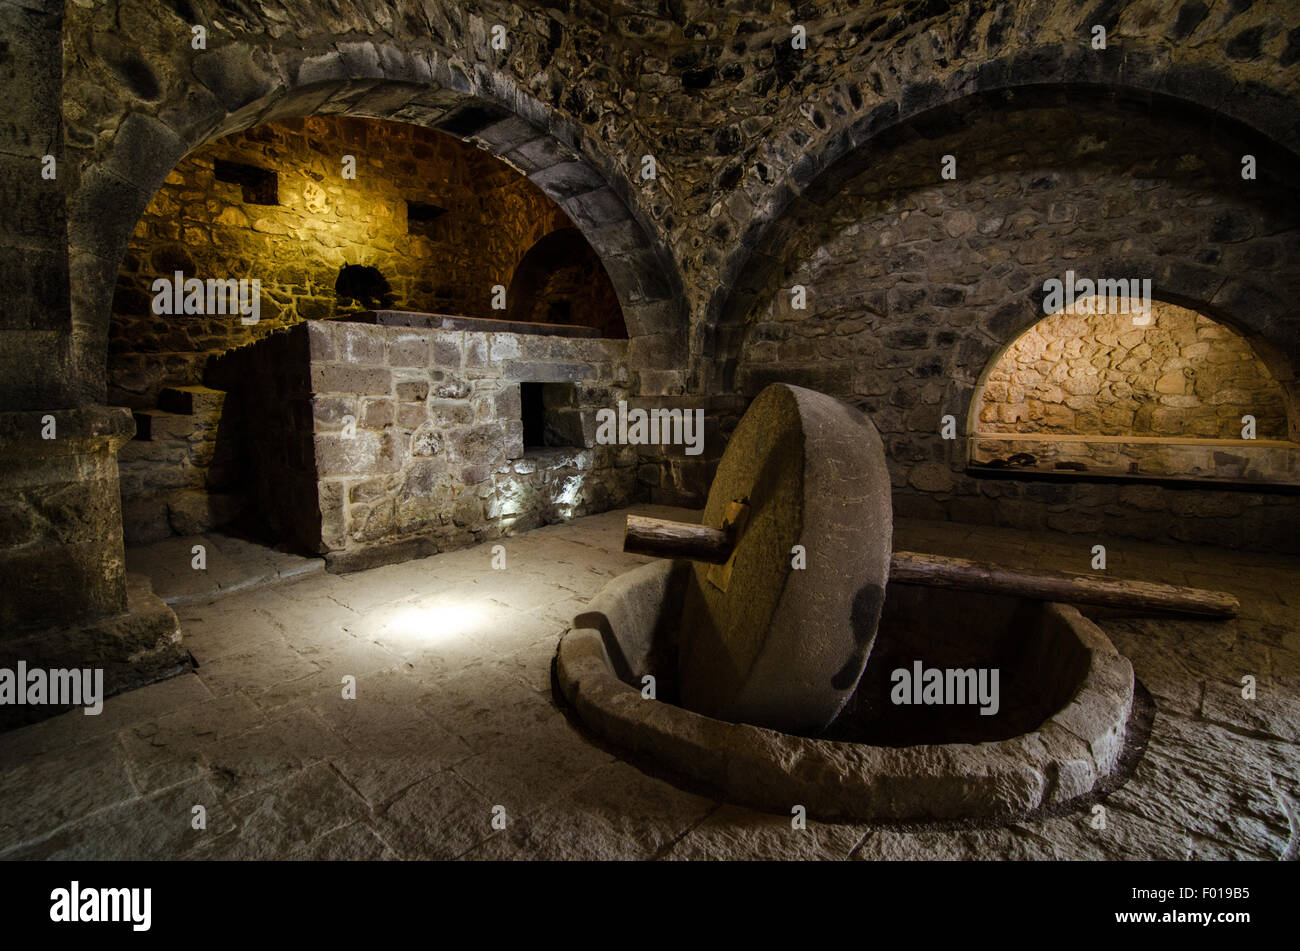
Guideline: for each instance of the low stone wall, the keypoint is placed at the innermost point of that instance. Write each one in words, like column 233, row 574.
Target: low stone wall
column 177, row 472
column 374, row 443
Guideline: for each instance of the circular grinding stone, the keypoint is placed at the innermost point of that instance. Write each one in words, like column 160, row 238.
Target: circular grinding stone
column 783, row 647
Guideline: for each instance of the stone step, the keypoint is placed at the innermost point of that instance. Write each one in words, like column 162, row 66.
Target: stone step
column 189, row 400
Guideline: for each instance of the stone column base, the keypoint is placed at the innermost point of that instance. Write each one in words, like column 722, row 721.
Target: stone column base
column 137, row 647
column 65, row 599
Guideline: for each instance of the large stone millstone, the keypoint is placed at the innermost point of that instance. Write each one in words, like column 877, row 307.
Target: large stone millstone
column 784, row 647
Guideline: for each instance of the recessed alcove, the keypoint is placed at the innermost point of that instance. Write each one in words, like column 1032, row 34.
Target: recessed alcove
column 1098, row 391
column 418, row 237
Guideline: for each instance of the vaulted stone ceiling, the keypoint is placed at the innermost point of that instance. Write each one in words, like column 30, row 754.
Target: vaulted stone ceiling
column 738, row 121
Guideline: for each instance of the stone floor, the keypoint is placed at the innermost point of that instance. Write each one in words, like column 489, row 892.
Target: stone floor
column 453, row 721
column 231, row 564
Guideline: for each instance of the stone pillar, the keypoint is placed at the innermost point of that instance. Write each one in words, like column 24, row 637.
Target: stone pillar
column 35, row 321
column 65, row 598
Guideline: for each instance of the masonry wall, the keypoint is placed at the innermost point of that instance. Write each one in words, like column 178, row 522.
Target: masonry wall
column 320, row 222
column 914, row 285
column 375, row 444
column 1181, row 375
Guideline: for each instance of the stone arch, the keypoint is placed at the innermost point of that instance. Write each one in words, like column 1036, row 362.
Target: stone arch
column 243, row 86
column 1143, row 84
column 1221, row 300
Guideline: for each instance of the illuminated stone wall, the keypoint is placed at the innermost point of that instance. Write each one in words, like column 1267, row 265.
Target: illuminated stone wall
column 320, row 221
column 1181, row 375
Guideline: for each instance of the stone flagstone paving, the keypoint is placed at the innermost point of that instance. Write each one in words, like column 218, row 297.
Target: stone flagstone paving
column 454, row 716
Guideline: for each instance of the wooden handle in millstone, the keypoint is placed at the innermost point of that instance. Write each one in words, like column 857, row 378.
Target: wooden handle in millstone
column 668, row 539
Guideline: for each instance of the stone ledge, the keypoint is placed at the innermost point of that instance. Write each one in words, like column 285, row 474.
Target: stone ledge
column 375, row 556
column 1260, row 462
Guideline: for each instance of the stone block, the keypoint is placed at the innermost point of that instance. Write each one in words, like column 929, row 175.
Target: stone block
column 350, row 378
column 545, row 372
column 321, row 336
column 448, row 349
column 476, row 350
column 447, row 414
column 365, row 454
column 503, row 347
column 451, row 389
column 567, row 180
column 412, row 391
column 411, row 415
column 329, row 412
column 360, row 343
column 408, row 350
column 193, row 512
column 376, row 413
column 507, row 403
column 481, row 445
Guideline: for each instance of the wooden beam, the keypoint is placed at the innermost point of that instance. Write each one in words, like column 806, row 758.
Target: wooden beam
column 943, row 572
column 663, row 538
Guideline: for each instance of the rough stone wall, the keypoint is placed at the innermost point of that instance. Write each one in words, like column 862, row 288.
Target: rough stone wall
column 180, row 474
column 913, row 285
column 1181, row 375
column 205, row 228
column 374, row 443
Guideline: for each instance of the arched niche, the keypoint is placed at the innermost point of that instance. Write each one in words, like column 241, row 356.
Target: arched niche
column 560, row 280
column 110, row 195
column 1112, row 387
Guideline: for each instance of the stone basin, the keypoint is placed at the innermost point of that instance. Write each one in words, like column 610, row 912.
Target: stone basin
column 1065, row 695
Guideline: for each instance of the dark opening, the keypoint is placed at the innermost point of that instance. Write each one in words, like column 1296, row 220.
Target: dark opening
column 364, row 284
column 550, row 416
column 534, row 415
column 420, row 217
column 560, row 280
column 260, row 186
